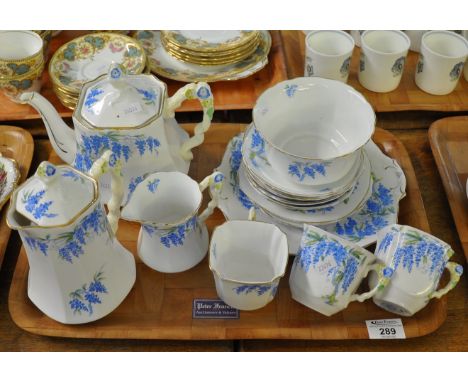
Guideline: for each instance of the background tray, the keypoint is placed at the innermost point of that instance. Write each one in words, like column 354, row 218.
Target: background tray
column 228, row 95
column 160, row 305
column 406, row 97
column 449, row 144
column 17, row 144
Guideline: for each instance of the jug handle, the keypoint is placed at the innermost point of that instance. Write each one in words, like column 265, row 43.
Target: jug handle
column 202, row 92
column 456, row 270
column 108, row 162
column 384, row 273
column 215, row 181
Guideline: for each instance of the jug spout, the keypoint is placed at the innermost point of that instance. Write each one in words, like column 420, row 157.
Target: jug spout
column 61, row 136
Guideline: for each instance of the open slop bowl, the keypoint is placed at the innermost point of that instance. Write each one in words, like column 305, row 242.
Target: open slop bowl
column 313, row 128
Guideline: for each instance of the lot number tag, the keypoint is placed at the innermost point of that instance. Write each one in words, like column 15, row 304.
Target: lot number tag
column 385, row 329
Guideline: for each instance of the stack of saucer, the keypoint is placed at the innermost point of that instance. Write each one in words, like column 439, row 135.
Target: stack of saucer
column 303, row 157
column 89, row 56
column 210, row 47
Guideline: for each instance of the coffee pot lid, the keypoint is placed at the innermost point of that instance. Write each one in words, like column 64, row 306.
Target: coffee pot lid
column 119, row 100
column 55, row 195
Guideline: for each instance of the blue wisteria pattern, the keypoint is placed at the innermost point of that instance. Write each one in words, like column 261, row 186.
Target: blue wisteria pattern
column 372, row 217
column 235, row 162
column 34, row 205
column 92, row 98
column 134, row 182
column 257, row 149
column 316, row 248
column 301, row 170
column 149, row 96
column 83, row 299
column 173, row 237
column 419, row 251
column 70, row 245
column 91, row 147
column 153, row 185
column 260, row 290
column 290, row 90
column 72, row 175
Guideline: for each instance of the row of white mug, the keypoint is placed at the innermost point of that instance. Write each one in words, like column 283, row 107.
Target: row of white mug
column 383, row 55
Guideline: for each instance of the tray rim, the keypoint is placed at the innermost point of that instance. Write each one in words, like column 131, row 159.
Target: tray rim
column 354, row 330
column 437, row 129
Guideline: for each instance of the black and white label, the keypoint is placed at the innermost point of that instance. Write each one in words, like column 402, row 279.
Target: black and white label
column 385, row 329
column 211, row 308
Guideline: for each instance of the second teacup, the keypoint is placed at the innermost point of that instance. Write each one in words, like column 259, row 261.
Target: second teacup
column 383, row 55
column 418, row 260
column 328, row 54
column 441, row 60
column 327, row 271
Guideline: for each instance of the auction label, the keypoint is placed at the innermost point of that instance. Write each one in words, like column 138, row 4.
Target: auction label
column 385, row 329
column 213, row 308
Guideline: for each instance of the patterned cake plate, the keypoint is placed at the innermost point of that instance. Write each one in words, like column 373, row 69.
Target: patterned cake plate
column 163, row 64
column 9, row 176
column 379, row 211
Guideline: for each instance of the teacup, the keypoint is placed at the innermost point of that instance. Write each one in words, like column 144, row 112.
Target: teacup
column 311, row 129
column 328, row 54
column 21, row 62
column 441, row 60
column 382, row 61
column 418, row 260
column 248, row 259
column 173, row 236
column 13, row 87
column 20, row 53
column 327, row 271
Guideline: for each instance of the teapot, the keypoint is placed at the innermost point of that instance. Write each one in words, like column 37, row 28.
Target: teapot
column 132, row 116
column 79, row 272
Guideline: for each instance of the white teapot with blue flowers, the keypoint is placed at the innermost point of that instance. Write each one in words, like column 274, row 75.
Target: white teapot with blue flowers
column 132, row 116
column 78, row 270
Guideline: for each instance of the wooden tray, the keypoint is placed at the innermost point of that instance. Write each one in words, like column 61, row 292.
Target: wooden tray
column 449, row 144
column 406, row 97
column 160, row 305
column 17, row 144
column 228, row 95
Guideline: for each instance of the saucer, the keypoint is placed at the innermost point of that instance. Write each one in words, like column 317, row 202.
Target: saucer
column 327, row 214
column 163, row 64
column 263, row 173
column 379, row 211
column 87, row 57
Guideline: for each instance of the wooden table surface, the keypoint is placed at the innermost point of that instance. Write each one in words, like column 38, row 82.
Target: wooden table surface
column 411, row 129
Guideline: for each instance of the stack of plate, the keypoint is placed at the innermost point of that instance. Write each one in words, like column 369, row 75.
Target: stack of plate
column 308, row 158
column 87, row 57
column 210, row 47
column 209, row 56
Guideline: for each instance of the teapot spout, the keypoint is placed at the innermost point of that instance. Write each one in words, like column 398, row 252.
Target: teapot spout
column 61, row 136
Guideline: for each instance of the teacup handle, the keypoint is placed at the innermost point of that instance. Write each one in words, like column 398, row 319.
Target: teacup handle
column 202, row 92
column 108, row 161
column 456, row 270
column 252, row 214
column 385, row 273
column 215, row 180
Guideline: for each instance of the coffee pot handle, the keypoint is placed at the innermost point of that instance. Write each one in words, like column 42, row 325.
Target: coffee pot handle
column 384, row 273
column 202, row 92
column 456, row 270
column 215, row 181
column 108, row 162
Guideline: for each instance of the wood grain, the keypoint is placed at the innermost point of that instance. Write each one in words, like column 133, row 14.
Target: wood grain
column 17, row 144
column 406, row 97
column 160, row 305
column 228, row 95
column 449, row 143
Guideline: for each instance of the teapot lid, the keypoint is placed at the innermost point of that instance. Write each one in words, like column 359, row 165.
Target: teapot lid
column 55, row 195
column 117, row 100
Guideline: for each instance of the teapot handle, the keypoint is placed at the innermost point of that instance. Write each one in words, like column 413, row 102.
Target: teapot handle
column 108, row 161
column 215, row 181
column 202, row 92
